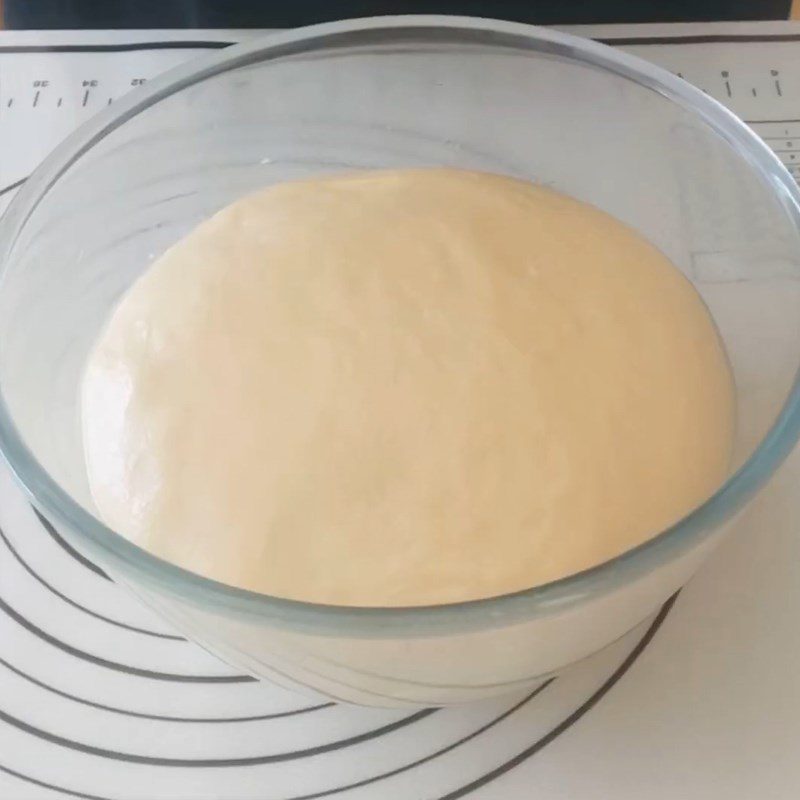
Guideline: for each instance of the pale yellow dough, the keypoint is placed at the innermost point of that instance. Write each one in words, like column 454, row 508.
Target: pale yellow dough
column 405, row 387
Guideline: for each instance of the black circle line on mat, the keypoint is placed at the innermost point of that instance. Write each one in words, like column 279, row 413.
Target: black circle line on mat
column 12, row 186
column 431, row 756
column 567, row 723
column 27, row 567
column 246, row 761
column 67, row 547
column 159, row 717
column 45, row 785
column 631, row 657
column 540, row 744
column 102, row 662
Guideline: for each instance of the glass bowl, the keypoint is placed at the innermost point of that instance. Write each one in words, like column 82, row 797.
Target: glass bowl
column 391, row 92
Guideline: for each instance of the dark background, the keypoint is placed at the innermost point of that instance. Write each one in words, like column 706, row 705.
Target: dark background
column 289, row 13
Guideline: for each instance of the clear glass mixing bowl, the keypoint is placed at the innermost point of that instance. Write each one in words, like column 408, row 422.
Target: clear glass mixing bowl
column 590, row 121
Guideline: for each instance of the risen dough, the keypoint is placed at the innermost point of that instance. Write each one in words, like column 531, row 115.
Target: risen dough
column 405, row 387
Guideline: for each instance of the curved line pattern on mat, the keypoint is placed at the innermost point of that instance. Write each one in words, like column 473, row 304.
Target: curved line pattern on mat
column 35, row 575
column 536, row 747
column 159, row 717
column 45, row 785
column 246, row 761
column 431, row 756
column 12, row 186
column 103, row 662
column 67, row 547
column 567, row 723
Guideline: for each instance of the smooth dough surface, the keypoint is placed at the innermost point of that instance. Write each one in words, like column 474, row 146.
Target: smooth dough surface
column 405, row 387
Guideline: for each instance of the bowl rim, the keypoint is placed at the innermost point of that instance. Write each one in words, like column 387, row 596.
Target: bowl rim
column 140, row 569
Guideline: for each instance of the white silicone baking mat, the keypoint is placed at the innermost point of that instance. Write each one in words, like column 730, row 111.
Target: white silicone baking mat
column 99, row 699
